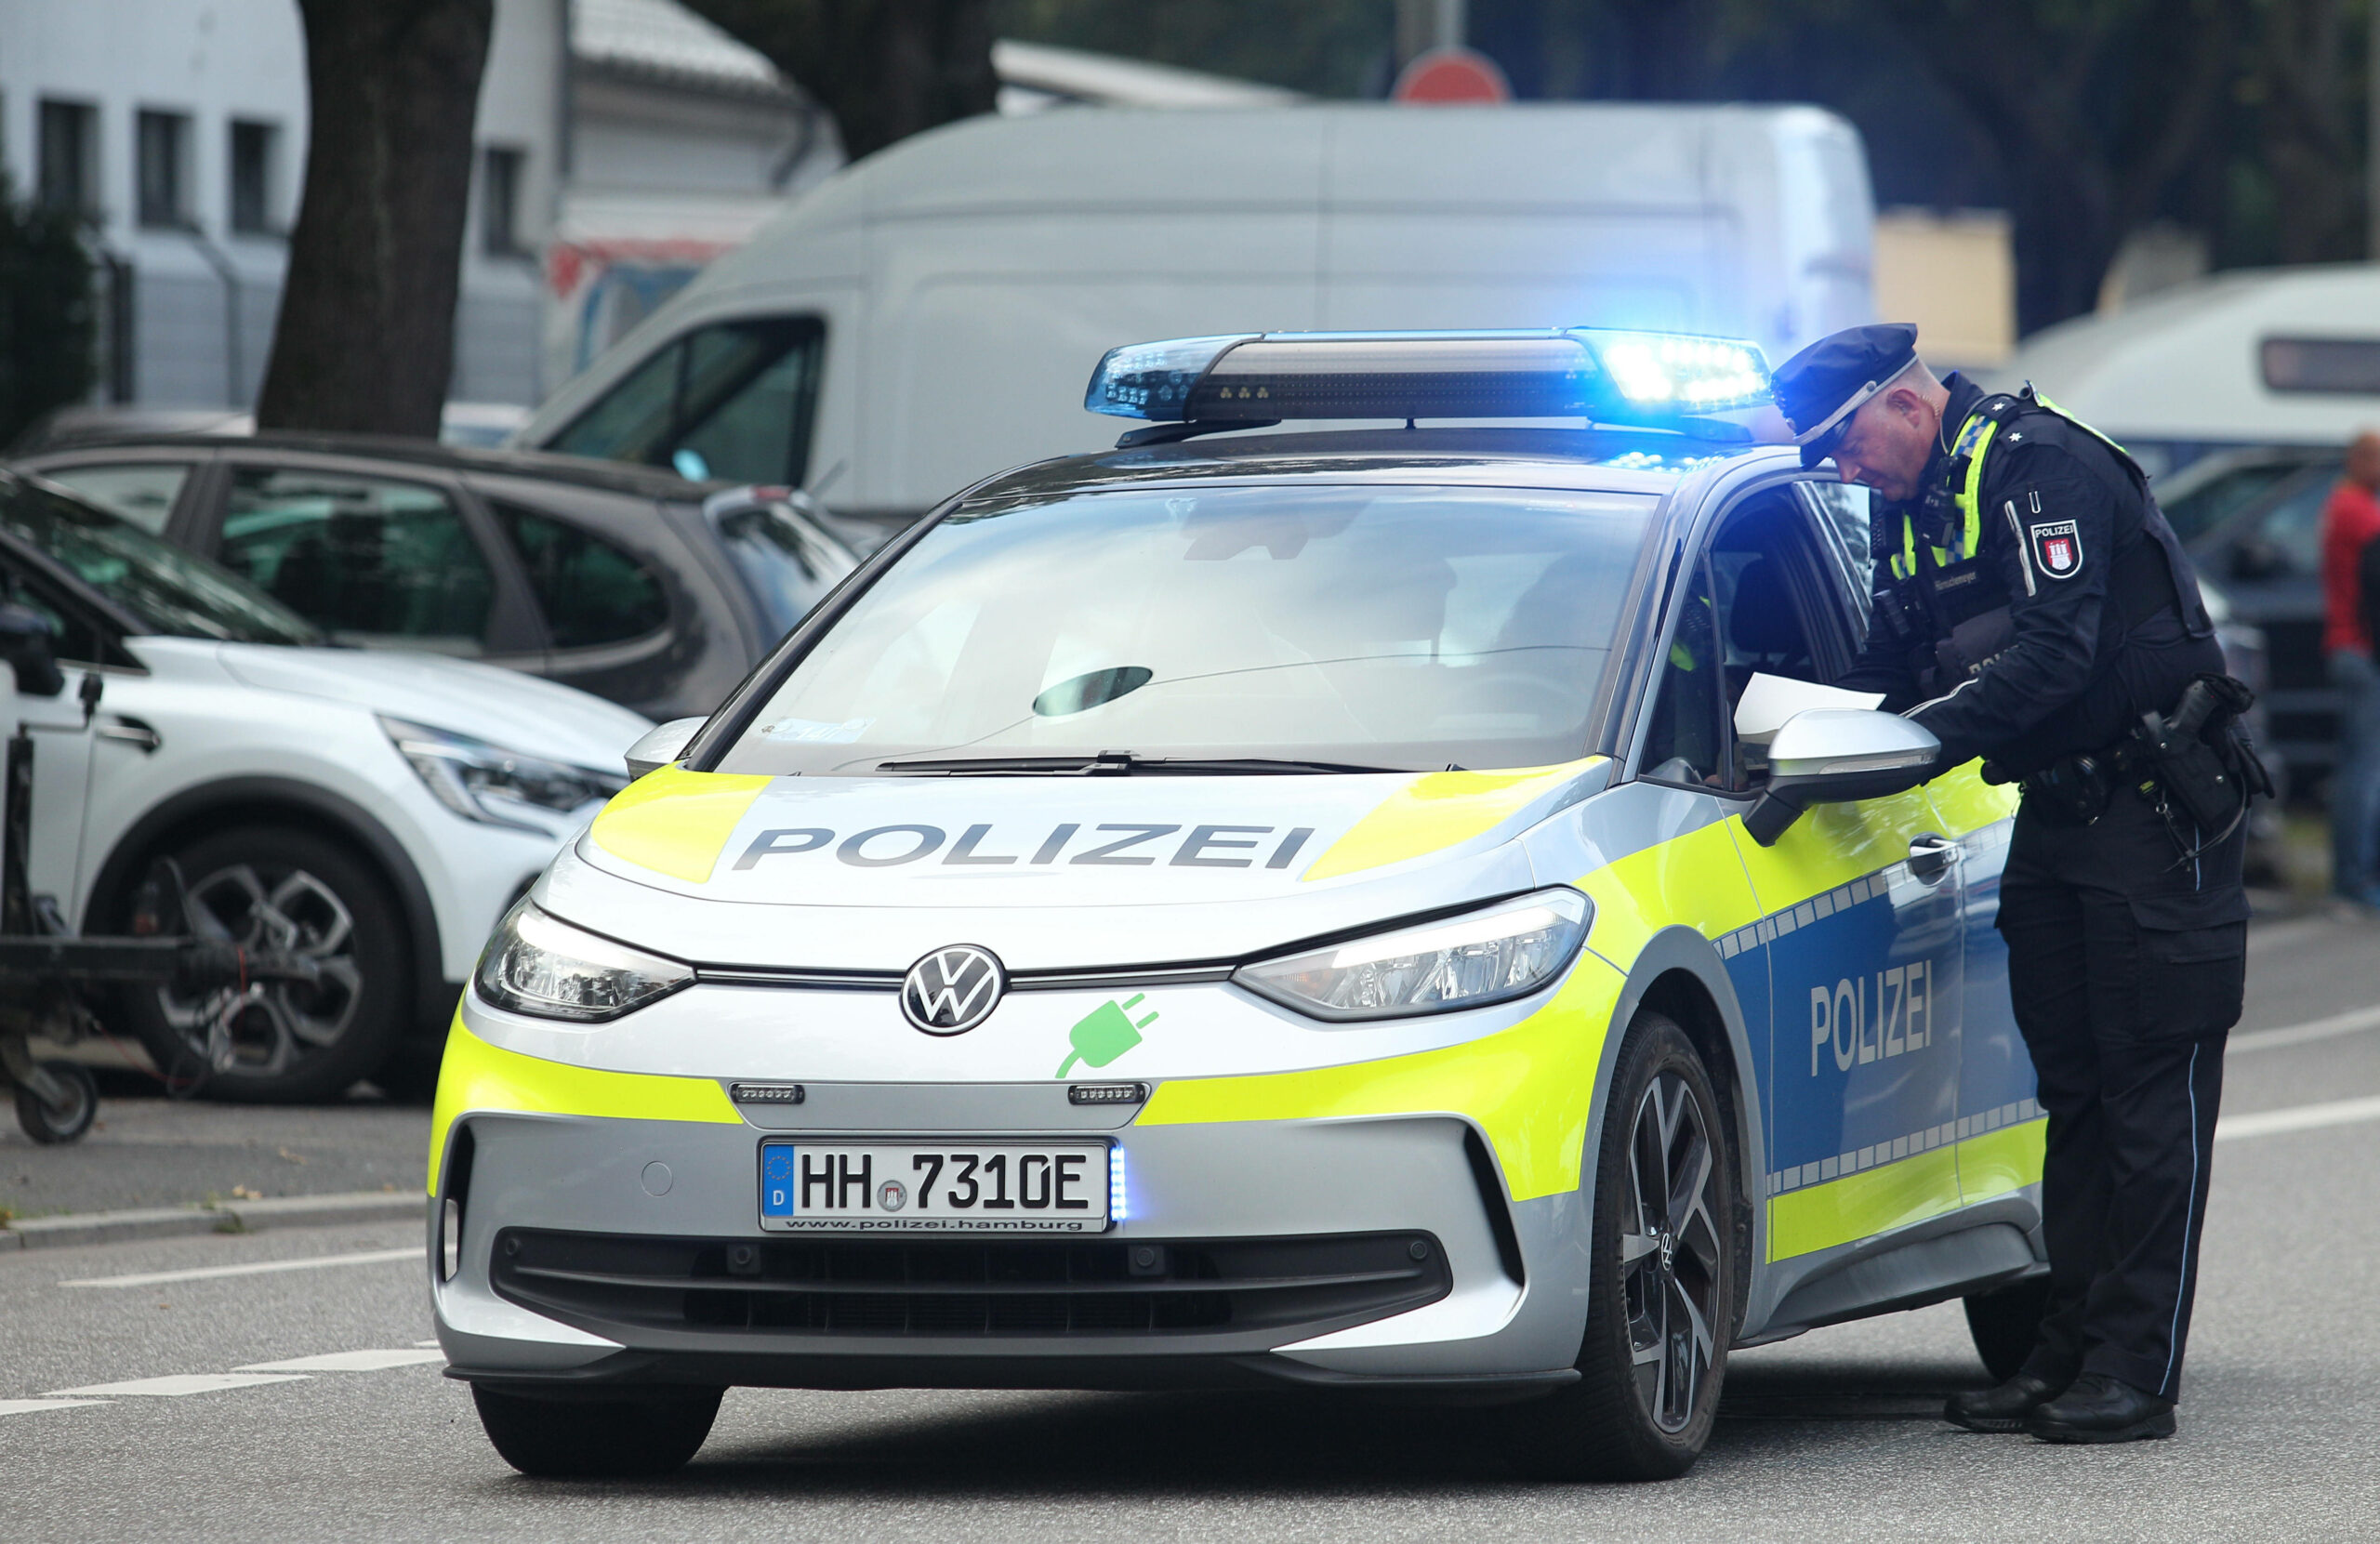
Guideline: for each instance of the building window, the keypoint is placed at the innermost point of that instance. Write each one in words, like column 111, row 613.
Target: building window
column 69, row 161
column 164, row 169
column 500, row 179
column 255, row 149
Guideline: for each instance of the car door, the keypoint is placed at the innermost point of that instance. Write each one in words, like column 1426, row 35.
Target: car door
column 2267, row 557
column 50, row 738
column 392, row 559
column 1863, row 925
column 1995, row 1108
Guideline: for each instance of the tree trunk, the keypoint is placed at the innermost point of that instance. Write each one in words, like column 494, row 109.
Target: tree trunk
column 885, row 69
column 365, row 341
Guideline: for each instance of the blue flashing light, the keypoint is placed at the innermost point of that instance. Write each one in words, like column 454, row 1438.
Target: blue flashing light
column 1153, row 380
column 1119, row 1190
column 1618, row 378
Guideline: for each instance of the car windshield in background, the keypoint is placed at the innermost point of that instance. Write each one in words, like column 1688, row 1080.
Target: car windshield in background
column 787, row 566
column 1401, row 628
column 170, row 592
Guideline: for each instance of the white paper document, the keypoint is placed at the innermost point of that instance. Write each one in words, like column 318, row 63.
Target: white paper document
column 1768, row 701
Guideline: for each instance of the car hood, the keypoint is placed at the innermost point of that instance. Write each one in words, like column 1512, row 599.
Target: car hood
column 853, row 871
column 503, row 707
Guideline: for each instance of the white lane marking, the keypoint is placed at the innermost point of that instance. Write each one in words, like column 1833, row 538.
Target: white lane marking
column 347, row 1360
column 158, row 1278
column 425, row 1345
column 2353, row 1022
column 175, row 1385
column 2298, row 1118
column 27, row 1406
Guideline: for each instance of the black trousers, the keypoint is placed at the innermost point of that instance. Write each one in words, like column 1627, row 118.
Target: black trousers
column 2126, row 970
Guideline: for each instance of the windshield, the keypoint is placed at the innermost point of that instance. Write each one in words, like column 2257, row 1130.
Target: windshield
column 786, row 565
column 170, row 592
column 1404, row 627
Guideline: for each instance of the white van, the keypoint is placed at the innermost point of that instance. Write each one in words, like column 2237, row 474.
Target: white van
column 929, row 315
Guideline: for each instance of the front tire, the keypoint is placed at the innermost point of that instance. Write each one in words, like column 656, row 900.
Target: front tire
column 289, row 1042
column 1661, row 1301
column 2005, row 1325
column 576, row 1439
column 50, row 1124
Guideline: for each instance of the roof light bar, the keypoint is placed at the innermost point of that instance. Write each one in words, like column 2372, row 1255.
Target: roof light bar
column 1616, row 378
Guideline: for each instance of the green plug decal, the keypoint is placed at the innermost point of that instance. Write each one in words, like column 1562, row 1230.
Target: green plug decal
column 1105, row 1034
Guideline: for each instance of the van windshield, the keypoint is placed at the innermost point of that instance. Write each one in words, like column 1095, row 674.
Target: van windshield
column 1310, row 627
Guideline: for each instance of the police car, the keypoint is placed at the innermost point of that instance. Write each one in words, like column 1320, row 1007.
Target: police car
column 1341, row 908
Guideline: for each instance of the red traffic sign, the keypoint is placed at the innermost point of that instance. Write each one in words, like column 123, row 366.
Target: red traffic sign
column 1452, row 75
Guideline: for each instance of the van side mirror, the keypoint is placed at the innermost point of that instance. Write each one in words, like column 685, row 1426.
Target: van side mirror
column 1833, row 756
column 24, row 645
column 662, row 745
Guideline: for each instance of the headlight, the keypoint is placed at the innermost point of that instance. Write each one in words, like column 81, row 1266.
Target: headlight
column 494, row 786
column 1499, row 952
column 542, row 966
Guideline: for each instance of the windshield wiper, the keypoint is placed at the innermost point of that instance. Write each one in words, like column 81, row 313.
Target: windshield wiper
column 1118, row 763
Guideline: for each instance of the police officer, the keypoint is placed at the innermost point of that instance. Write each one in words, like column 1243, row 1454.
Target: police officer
column 2030, row 606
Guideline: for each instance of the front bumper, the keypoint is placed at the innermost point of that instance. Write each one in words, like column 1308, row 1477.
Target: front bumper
column 1360, row 1250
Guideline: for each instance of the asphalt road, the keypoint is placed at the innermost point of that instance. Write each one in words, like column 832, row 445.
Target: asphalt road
column 1833, row 1436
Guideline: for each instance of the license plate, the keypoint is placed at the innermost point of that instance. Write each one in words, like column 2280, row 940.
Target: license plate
column 945, row 1187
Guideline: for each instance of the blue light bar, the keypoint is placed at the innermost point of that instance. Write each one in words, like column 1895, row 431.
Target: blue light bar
column 1605, row 376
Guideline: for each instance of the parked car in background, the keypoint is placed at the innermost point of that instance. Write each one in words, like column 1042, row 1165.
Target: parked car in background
column 2252, row 520
column 629, row 583
column 458, row 424
column 372, row 808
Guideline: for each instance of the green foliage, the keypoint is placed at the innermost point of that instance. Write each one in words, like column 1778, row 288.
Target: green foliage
column 45, row 313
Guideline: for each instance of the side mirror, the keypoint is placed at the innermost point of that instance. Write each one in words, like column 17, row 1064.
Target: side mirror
column 25, row 646
column 662, row 745
column 1833, row 756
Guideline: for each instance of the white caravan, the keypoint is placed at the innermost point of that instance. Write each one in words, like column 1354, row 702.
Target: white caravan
column 928, row 316
column 2263, row 357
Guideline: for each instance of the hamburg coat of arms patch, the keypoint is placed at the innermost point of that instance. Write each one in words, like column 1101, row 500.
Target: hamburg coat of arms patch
column 2057, row 549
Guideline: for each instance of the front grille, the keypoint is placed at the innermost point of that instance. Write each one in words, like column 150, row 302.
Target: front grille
column 965, row 1289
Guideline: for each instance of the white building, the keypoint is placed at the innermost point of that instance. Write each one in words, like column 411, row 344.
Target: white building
column 621, row 146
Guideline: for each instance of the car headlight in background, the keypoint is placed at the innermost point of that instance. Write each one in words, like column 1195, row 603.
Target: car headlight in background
column 1497, row 953
column 486, row 783
column 537, row 964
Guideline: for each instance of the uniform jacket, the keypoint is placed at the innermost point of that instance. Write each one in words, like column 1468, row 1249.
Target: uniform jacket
column 2061, row 513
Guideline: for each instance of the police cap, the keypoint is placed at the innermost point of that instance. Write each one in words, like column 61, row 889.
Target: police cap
column 1819, row 389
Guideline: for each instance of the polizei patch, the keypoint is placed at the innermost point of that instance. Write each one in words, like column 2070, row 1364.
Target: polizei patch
column 2057, row 549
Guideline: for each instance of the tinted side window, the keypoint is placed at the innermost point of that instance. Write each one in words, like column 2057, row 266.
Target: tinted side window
column 73, row 639
column 142, row 492
column 590, row 591
column 2288, row 538
column 1683, row 744
column 734, row 400
column 2211, row 503
column 365, row 557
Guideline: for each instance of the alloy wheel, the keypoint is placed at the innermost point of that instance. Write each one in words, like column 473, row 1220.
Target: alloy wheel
column 1670, row 1252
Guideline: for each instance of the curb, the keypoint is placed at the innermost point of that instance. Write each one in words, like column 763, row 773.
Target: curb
column 286, row 1211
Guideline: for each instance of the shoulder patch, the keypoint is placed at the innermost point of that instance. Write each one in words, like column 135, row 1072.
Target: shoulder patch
column 2057, row 549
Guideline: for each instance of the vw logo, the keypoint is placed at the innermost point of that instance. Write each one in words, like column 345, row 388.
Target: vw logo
column 953, row 989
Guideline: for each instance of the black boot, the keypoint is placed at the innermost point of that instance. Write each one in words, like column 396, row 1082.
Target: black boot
column 2098, row 1408
column 2001, row 1408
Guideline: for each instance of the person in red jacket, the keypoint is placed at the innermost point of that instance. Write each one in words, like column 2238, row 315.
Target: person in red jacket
column 2350, row 565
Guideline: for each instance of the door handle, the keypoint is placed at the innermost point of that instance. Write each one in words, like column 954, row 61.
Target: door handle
column 132, row 731
column 1930, row 856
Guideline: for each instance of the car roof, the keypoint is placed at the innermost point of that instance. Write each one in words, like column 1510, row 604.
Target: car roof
column 1585, row 460
column 544, row 466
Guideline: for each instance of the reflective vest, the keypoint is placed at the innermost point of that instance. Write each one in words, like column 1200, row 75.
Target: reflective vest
column 1974, row 438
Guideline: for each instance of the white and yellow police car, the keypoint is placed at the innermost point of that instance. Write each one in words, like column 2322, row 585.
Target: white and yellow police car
column 1315, row 908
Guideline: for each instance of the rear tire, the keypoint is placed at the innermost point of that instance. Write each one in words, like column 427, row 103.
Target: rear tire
column 1661, row 1301
column 576, row 1439
column 282, row 886
column 2006, row 1324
